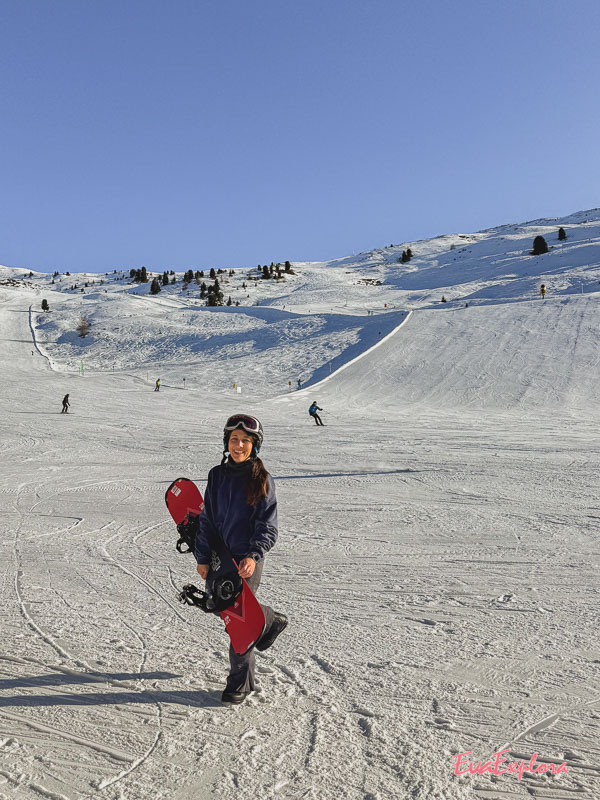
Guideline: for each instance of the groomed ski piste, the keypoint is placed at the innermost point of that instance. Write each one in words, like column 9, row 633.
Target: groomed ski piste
column 439, row 536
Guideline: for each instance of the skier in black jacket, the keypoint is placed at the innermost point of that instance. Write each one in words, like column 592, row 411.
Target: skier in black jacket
column 240, row 506
column 313, row 412
column 66, row 404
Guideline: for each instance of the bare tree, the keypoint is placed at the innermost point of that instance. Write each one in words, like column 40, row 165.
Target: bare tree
column 83, row 326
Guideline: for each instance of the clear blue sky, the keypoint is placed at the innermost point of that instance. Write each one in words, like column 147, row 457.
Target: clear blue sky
column 198, row 133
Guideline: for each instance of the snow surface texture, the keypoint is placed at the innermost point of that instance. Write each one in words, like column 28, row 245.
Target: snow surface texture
column 439, row 537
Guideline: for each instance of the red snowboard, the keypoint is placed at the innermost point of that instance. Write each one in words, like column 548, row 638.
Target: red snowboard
column 244, row 618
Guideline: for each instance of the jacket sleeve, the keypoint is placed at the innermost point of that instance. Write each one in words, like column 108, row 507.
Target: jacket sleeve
column 265, row 524
column 206, row 530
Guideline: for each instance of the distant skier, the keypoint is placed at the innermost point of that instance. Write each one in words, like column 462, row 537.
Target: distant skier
column 66, row 404
column 543, row 291
column 157, row 387
column 313, row 412
column 299, row 383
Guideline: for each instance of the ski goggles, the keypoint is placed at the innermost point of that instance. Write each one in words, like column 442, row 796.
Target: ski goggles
column 249, row 424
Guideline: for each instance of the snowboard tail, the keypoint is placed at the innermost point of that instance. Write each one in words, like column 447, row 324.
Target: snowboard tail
column 227, row 594
column 183, row 498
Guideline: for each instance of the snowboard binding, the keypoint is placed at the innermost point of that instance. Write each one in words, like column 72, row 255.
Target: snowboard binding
column 190, row 595
column 187, row 534
column 223, row 591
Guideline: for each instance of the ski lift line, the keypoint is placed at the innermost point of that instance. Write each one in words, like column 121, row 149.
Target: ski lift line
column 389, row 335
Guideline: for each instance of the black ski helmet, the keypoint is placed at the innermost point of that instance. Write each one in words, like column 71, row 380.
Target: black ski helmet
column 250, row 424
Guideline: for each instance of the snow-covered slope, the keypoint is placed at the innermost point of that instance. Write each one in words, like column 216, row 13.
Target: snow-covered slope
column 321, row 315
column 438, row 550
column 523, row 356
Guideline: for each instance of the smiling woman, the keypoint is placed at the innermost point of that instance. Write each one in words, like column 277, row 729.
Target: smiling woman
column 241, row 508
column 240, row 446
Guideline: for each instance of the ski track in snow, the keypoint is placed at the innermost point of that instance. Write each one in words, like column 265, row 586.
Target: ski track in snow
column 438, row 554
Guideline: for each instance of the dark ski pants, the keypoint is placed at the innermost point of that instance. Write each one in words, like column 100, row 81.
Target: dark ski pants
column 318, row 419
column 241, row 674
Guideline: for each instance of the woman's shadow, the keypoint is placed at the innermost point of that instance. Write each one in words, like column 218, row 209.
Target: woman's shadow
column 201, row 698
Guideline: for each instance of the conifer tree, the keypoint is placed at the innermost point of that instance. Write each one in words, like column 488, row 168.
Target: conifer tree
column 539, row 246
column 561, row 235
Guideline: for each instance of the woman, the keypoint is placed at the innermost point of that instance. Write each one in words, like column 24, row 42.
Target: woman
column 240, row 506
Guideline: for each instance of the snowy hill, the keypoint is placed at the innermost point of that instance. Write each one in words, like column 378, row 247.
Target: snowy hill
column 438, row 550
column 321, row 314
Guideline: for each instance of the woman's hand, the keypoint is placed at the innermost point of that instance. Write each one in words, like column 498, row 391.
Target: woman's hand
column 246, row 568
column 202, row 570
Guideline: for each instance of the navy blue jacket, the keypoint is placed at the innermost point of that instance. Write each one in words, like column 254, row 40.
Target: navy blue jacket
column 313, row 409
column 246, row 530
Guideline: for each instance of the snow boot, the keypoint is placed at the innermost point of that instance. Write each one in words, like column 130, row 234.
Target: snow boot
column 233, row 697
column 280, row 622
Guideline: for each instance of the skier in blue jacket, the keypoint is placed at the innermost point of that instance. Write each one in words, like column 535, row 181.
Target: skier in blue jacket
column 313, row 412
column 241, row 507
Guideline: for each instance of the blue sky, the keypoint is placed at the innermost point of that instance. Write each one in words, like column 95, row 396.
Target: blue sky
column 190, row 133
